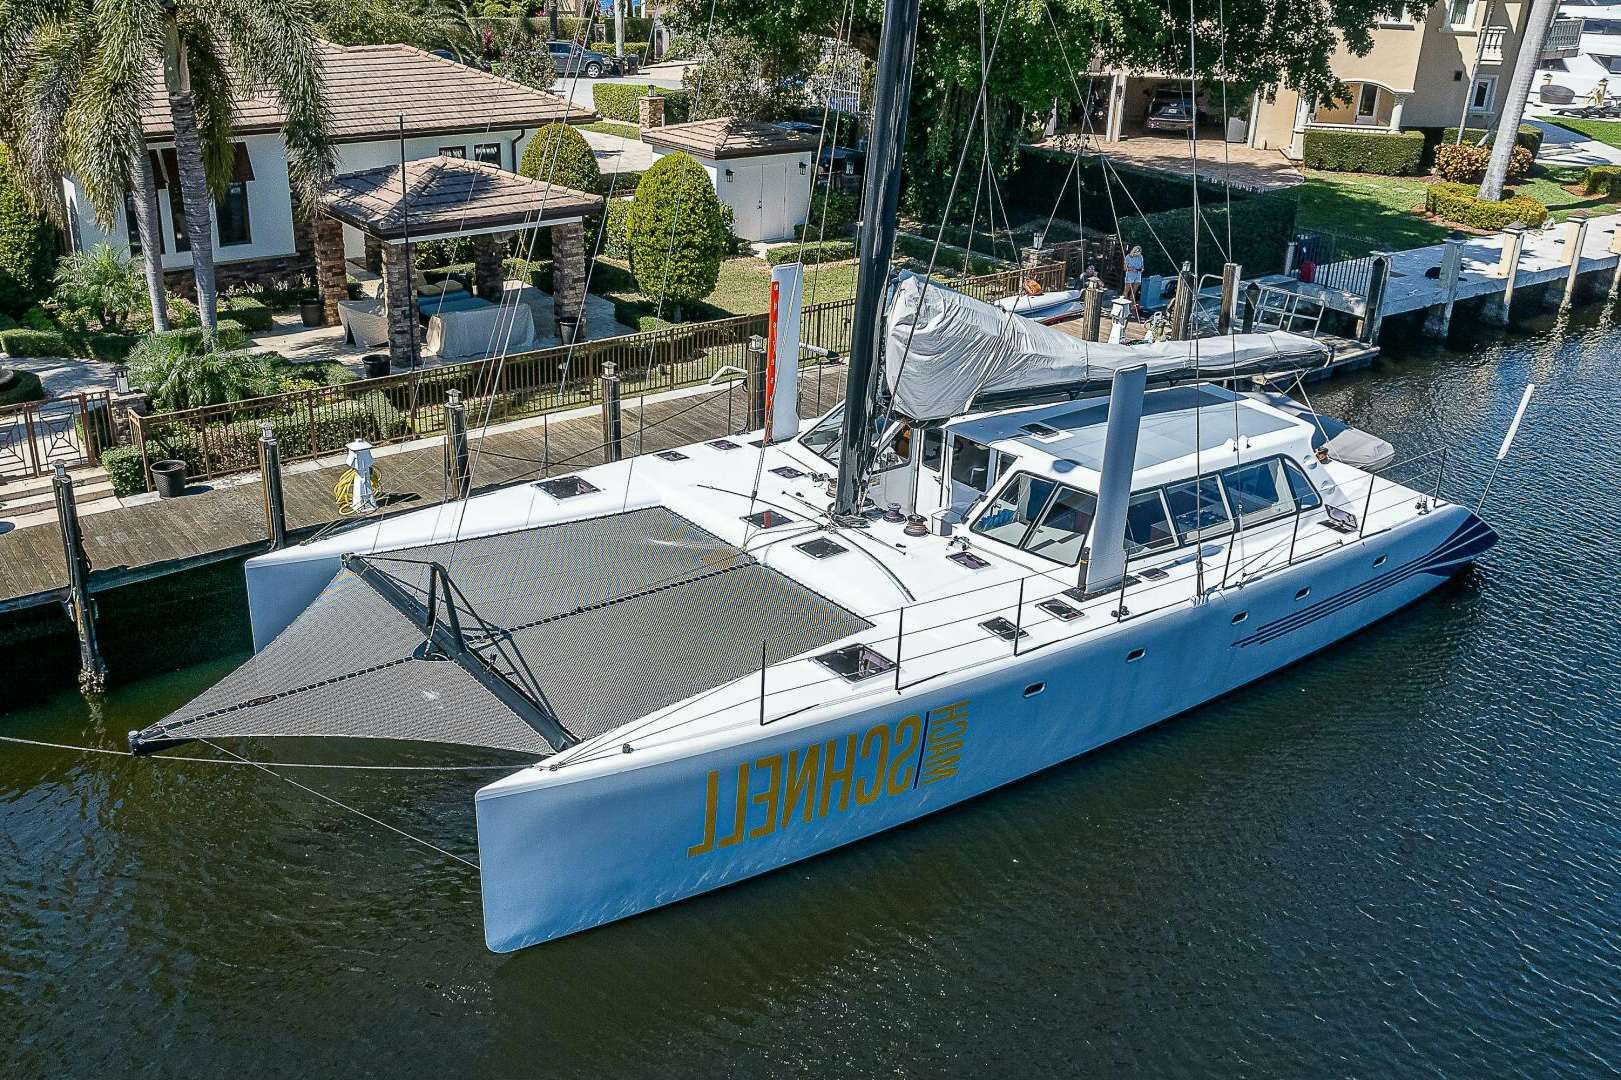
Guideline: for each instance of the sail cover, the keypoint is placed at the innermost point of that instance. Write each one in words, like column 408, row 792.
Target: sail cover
column 944, row 350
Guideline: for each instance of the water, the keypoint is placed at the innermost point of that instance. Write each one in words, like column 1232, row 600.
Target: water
column 1397, row 858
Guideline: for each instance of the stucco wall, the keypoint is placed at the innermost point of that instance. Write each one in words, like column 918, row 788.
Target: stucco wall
column 768, row 195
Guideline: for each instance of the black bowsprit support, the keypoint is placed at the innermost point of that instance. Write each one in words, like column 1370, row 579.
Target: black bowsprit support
column 443, row 639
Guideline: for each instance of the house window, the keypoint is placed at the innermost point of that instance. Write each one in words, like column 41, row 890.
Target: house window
column 1367, row 102
column 489, row 153
column 1461, row 14
column 232, row 214
column 453, row 151
column 133, row 226
column 1484, row 95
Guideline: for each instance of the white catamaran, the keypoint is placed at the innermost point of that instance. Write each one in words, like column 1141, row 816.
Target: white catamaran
column 1005, row 548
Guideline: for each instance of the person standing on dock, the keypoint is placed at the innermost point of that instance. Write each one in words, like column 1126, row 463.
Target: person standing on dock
column 1134, row 278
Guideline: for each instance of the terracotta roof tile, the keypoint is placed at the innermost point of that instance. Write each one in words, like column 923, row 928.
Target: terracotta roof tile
column 448, row 195
column 369, row 87
column 729, row 137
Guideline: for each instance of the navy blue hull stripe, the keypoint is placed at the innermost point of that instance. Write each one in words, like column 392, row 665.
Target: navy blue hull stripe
column 1465, row 544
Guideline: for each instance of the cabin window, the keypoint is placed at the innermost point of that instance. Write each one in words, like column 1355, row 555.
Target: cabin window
column 1062, row 529
column 1197, row 508
column 1306, row 497
column 1016, row 508
column 934, row 447
column 1257, row 492
column 1148, row 526
column 823, row 439
column 970, row 463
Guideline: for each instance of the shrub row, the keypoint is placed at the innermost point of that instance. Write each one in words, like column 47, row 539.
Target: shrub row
column 250, row 311
column 617, row 101
column 1459, row 204
column 816, row 251
column 1466, row 163
column 632, row 48
column 1528, row 137
column 1383, row 153
column 1602, row 180
column 70, row 343
column 1262, row 227
column 229, row 335
column 123, row 465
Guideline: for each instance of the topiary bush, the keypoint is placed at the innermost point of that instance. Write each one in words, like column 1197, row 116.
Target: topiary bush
column 676, row 232
column 614, row 244
column 1458, row 203
column 816, row 251
column 26, row 342
column 123, row 465
column 248, row 311
column 1380, row 152
column 559, row 154
column 27, row 246
column 18, row 387
column 1602, row 180
column 1466, row 163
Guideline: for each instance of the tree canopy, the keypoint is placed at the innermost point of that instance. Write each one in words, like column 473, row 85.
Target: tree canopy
column 676, row 232
column 557, row 153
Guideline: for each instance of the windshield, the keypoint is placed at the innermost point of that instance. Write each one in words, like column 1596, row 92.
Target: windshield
column 823, row 439
column 1040, row 516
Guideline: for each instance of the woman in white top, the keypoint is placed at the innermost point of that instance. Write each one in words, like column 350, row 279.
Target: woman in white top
column 1134, row 278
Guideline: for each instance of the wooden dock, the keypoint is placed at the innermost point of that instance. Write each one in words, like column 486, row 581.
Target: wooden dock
column 152, row 537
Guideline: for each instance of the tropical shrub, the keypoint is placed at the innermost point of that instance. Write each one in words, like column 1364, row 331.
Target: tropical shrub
column 228, row 335
column 1528, row 137
column 559, row 154
column 173, row 371
column 814, row 251
column 104, row 283
column 1466, row 163
column 123, row 466
column 526, row 62
column 675, row 231
column 1381, row 152
column 1458, row 203
column 27, row 246
column 614, row 243
column 251, row 312
column 18, row 386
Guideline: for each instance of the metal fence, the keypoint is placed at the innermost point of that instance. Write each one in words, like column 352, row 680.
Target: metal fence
column 71, row 430
column 217, row 440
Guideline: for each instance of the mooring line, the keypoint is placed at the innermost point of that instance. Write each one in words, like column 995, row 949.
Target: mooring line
column 278, row 764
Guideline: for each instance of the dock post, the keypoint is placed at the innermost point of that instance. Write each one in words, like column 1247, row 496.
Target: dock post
column 81, row 609
column 270, row 480
column 1495, row 311
column 754, row 384
column 1119, row 317
column 1289, row 257
column 1182, row 304
column 1438, row 320
column 1252, row 304
column 1374, row 304
column 458, row 476
column 1091, row 310
column 1615, row 249
column 1230, row 273
column 1575, row 238
column 613, row 421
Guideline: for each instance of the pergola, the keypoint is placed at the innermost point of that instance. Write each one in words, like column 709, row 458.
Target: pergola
column 436, row 198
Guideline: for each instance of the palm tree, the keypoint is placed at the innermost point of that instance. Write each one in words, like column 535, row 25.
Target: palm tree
column 209, row 52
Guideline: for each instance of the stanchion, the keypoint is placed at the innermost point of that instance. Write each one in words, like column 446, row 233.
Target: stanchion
column 270, row 477
column 458, row 475
column 613, row 421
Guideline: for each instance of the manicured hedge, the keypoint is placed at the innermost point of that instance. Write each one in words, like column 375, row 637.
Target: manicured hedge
column 18, row 386
column 123, row 465
column 814, row 252
column 1602, row 180
column 66, row 343
column 1528, row 137
column 1262, row 227
column 1380, row 152
column 250, row 311
column 229, row 335
column 1466, row 163
column 617, row 101
column 1458, row 203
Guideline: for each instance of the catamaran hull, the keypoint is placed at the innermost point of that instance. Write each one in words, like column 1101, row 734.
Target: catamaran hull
column 566, row 849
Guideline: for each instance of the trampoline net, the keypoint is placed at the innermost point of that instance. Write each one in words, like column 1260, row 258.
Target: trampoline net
column 595, row 623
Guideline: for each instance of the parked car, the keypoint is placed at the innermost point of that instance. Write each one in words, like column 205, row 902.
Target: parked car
column 572, row 58
column 1170, row 109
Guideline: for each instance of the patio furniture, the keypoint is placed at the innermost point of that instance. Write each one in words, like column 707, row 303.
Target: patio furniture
column 365, row 322
column 486, row 330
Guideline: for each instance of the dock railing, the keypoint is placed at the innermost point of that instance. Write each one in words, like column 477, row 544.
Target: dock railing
column 218, row 440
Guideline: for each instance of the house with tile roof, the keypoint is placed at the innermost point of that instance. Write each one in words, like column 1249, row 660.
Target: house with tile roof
column 382, row 98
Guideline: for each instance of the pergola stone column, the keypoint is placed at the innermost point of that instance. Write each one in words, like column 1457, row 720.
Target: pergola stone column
column 331, row 275
column 374, row 254
column 488, row 280
column 400, row 291
column 568, row 276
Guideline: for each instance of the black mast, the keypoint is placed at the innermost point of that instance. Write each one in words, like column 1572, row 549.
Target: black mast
column 876, row 244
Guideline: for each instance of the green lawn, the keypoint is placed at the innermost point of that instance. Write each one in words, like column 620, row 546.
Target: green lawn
column 1605, row 131
column 744, row 288
column 1546, row 185
column 1371, row 213
column 614, row 127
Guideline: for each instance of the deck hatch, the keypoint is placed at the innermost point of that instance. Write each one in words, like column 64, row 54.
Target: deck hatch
column 768, row 519
column 567, row 487
column 671, row 455
column 1059, row 610
column 788, row 472
column 968, row 559
column 1004, row 628
column 722, row 444
column 821, row 548
column 855, row 663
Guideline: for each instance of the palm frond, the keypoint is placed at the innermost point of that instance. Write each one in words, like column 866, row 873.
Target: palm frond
column 213, row 91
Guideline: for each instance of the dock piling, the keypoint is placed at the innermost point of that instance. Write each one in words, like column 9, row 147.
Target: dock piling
column 1230, row 274
column 1495, row 310
column 1615, row 249
column 613, row 420
column 275, row 502
column 1182, row 304
column 80, row 608
column 458, row 476
column 1575, row 237
column 1091, row 310
column 1373, row 307
column 1438, row 320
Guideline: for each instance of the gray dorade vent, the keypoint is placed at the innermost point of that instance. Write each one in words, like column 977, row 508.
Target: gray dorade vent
column 855, row 663
column 567, row 487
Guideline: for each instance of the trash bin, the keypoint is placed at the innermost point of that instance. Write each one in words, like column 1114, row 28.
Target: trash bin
column 376, row 365
column 169, row 477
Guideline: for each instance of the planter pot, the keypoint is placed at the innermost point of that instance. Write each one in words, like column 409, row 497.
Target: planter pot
column 312, row 312
column 169, row 477
column 376, row 365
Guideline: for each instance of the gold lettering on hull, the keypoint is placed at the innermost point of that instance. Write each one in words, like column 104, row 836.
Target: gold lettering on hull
column 772, row 793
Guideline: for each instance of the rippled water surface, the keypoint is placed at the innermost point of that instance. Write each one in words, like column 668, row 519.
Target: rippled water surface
column 1400, row 857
